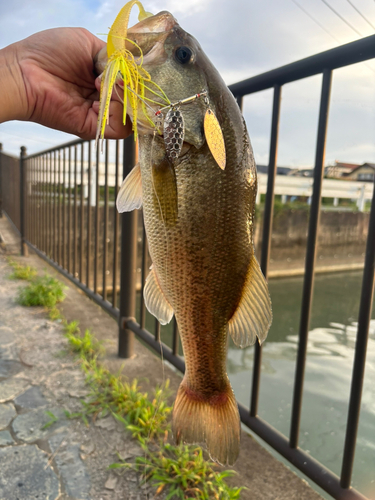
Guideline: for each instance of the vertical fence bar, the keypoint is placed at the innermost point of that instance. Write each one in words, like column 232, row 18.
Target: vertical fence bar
column 175, row 345
column 115, row 233
column 310, row 258
column 37, row 199
column 88, row 232
column 239, row 99
column 267, row 234
column 24, row 252
column 54, row 208
column 75, row 215
column 157, row 331
column 29, row 204
column 46, row 204
column 364, row 318
column 128, row 262
column 97, row 221
column 81, row 213
column 105, row 232
column 142, row 320
column 69, row 208
column 50, row 196
column 39, row 204
column 63, row 263
column 59, row 209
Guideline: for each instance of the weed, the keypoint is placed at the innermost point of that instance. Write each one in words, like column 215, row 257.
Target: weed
column 87, row 347
column 21, row 272
column 42, row 291
column 182, row 472
column 54, row 314
column 53, row 420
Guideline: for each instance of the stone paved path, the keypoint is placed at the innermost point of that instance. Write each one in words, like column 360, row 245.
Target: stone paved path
column 38, row 379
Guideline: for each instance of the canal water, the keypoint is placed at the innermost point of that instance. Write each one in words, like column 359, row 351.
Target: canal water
column 328, row 371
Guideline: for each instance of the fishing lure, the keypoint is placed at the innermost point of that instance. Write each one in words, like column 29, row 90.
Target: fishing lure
column 122, row 64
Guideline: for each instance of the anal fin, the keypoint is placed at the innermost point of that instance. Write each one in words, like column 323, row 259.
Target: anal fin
column 253, row 316
column 155, row 300
column 130, row 194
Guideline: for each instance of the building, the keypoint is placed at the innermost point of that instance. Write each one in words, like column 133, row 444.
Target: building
column 340, row 169
column 365, row 172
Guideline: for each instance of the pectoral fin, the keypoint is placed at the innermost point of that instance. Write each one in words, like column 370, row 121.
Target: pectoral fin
column 165, row 192
column 155, row 299
column 130, row 194
column 253, row 315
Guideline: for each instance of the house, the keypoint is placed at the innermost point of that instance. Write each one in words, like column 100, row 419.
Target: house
column 340, row 169
column 365, row 172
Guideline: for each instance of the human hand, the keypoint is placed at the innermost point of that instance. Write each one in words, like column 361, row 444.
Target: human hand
column 53, row 83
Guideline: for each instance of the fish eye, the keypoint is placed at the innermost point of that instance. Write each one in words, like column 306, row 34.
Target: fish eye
column 183, row 54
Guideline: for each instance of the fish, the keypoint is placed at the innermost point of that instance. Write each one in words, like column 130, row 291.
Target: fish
column 198, row 210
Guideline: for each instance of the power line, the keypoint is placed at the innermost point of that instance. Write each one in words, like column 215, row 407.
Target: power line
column 315, row 21
column 360, row 13
column 342, row 18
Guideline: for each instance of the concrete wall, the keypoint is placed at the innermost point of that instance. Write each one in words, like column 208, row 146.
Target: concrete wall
column 340, row 233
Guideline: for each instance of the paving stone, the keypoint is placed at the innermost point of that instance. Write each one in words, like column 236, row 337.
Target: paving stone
column 9, row 389
column 6, row 335
column 28, row 427
column 73, row 473
column 9, row 352
column 25, row 475
column 5, row 438
column 32, row 398
column 8, row 368
column 7, row 413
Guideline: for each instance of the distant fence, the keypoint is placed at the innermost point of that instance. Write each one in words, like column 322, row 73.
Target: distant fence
column 10, row 187
column 66, row 205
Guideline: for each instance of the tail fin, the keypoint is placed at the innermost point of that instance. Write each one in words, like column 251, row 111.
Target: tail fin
column 215, row 421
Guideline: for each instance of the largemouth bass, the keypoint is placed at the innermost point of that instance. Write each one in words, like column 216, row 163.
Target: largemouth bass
column 199, row 220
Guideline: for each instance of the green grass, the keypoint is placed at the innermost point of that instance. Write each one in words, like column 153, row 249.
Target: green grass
column 21, row 272
column 183, row 472
column 43, row 291
column 178, row 471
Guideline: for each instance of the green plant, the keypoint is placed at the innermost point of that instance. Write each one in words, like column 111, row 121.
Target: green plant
column 86, row 346
column 183, row 472
column 53, row 420
column 21, row 272
column 42, row 291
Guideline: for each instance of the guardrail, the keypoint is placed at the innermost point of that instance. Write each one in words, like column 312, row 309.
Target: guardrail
column 69, row 219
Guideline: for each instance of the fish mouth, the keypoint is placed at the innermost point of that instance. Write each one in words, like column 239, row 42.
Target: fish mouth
column 146, row 41
column 159, row 23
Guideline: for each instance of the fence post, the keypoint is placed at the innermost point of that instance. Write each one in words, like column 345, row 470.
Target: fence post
column 24, row 249
column 1, row 180
column 128, row 262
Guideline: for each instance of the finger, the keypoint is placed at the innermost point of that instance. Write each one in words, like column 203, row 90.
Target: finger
column 115, row 129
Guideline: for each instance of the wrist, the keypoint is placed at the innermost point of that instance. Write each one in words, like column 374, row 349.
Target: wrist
column 13, row 100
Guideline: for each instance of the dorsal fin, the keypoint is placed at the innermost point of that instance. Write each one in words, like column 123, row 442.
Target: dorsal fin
column 155, row 299
column 253, row 315
column 130, row 194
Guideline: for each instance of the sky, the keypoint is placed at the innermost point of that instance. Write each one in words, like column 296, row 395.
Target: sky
column 242, row 38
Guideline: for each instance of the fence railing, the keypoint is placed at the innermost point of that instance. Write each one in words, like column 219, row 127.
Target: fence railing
column 69, row 219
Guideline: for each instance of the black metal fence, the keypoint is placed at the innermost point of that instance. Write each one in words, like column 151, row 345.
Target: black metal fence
column 69, row 218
